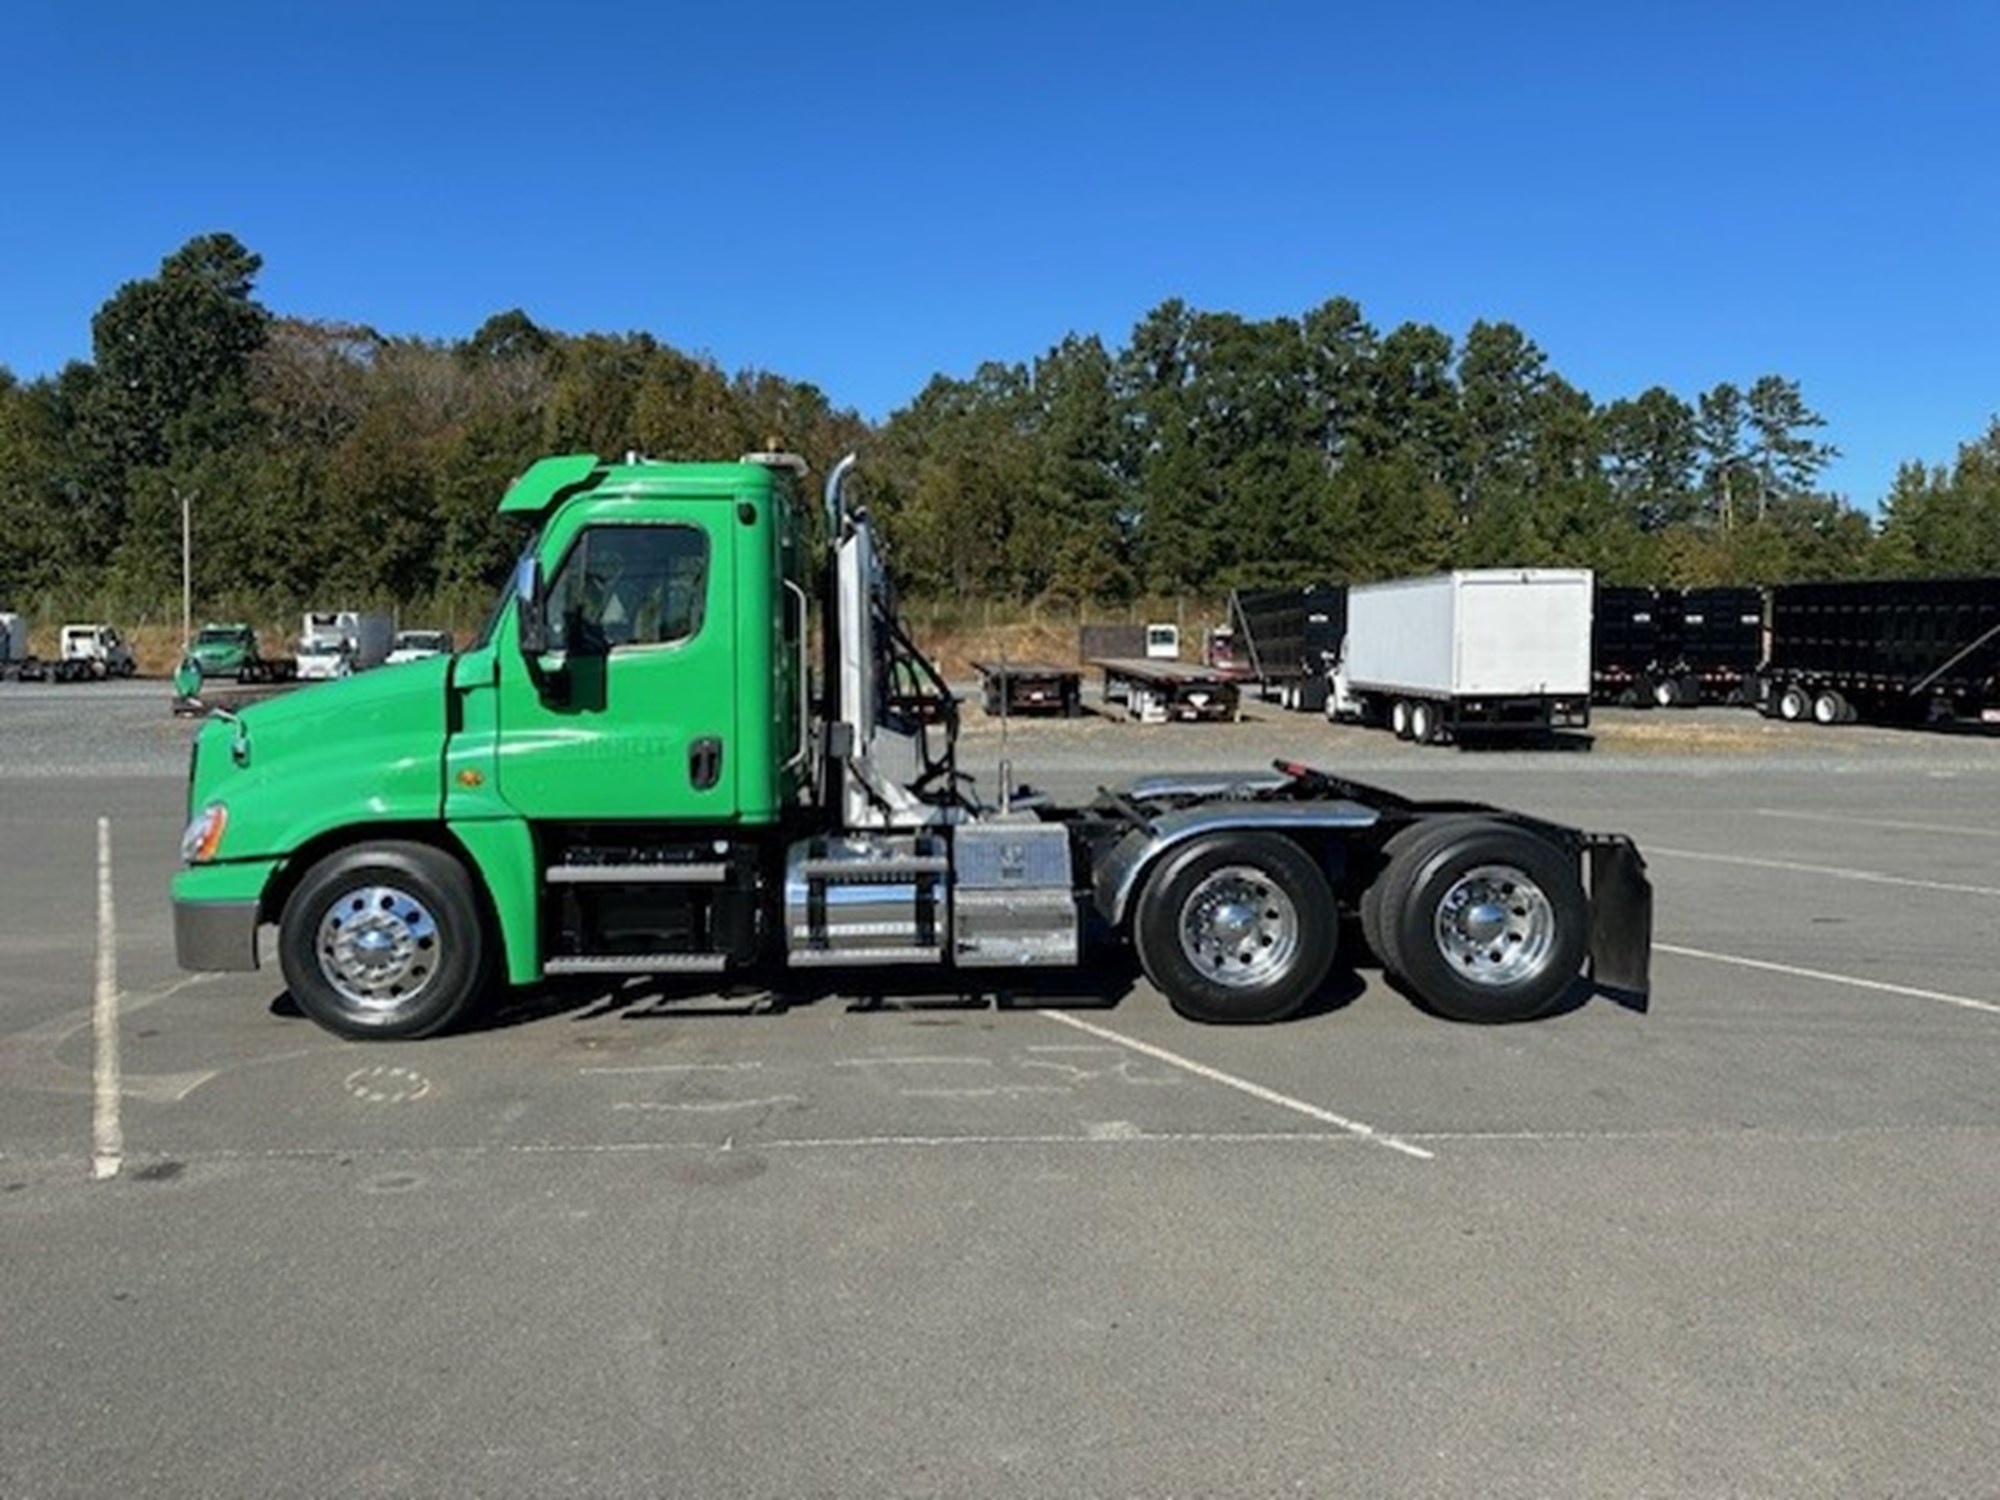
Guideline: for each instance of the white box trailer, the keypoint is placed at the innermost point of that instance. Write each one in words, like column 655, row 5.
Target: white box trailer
column 16, row 660
column 1483, row 652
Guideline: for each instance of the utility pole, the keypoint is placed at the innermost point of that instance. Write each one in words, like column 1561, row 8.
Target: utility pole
column 187, row 562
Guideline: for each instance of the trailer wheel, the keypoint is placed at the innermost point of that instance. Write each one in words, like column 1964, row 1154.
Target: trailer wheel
column 1399, row 718
column 1485, row 921
column 1666, row 692
column 1830, row 707
column 1424, row 722
column 1793, row 703
column 1236, row 927
column 383, row 941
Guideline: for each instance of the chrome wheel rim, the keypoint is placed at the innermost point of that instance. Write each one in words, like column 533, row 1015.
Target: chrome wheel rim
column 1239, row 928
column 379, row 948
column 1495, row 926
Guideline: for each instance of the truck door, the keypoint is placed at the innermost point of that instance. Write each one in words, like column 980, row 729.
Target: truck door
column 631, row 714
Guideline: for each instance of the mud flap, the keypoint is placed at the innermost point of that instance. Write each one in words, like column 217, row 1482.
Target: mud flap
column 1621, row 919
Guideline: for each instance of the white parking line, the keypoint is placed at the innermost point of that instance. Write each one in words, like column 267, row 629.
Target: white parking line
column 1965, row 1002
column 1867, row 877
column 1845, row 822
column 107, row 1135
column 1243, row 1086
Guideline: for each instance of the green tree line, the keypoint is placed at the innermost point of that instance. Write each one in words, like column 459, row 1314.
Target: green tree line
column 326, row 464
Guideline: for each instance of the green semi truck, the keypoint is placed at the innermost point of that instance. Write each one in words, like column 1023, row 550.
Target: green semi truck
column 232, row 651
column 694, row 738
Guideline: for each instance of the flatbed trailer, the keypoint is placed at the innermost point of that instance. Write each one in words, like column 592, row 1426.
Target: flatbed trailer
column 1156, row 692
column 1030, row 687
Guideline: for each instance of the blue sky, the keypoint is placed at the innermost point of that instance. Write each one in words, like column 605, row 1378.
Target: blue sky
column 865, row 195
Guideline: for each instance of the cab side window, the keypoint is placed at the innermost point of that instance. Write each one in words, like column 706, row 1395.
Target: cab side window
column 629, row 586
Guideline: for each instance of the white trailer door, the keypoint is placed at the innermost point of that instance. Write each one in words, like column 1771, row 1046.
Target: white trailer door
column 1524, row 632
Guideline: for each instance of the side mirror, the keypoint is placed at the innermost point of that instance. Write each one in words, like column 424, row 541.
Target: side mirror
column 531, row 608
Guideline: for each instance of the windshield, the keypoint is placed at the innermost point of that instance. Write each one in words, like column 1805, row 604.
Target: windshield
column 216, row 636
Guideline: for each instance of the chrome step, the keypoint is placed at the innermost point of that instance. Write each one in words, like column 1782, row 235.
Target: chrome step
column 863, row 871
column 828, row 958
column 709, row 873
column 637, row 963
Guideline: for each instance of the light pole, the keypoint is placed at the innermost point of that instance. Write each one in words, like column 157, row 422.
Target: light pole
column 187, row 562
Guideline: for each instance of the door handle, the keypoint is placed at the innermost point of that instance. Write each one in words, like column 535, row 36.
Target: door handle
column 705, row 762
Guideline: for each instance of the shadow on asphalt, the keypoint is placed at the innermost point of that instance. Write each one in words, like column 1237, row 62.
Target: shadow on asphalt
column 1103, row 987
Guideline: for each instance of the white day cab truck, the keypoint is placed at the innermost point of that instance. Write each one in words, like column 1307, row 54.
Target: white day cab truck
column 1479, row 654
column 637, row 768
column 99, row 650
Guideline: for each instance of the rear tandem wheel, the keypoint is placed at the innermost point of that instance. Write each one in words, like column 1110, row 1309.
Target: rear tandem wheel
column 1484, row 920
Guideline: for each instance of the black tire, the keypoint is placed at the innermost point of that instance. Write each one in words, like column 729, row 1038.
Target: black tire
column 1794, row 703
column 1373, row 931
column 1829, row 707
column 1691, row 692
column 1236, row 928
column 1666, row 692
column 384, row 942
column 1424, row 723
column 1485, row 922
column 1399, row 718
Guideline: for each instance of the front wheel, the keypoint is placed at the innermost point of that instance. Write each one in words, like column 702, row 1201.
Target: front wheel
column 384, row 941
column 1236, row 927
column 1485, row 921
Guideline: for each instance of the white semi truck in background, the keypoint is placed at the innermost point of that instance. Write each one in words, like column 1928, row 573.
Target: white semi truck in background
column 1484, row 653
column 335, row 643
column 99, row 650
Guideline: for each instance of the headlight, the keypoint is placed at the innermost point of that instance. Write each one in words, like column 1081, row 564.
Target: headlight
column 204, row 833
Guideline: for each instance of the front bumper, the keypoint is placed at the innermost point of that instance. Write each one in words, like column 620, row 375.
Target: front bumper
column 215, row 935
column 217, row 908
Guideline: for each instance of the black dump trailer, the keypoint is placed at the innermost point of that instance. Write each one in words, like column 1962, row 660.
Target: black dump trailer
column 1719, row 645
column 1675, row 647
column 1624, row 645
column 1287, row 640
column 1886, row 651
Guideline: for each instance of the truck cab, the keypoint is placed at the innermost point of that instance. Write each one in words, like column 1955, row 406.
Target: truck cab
column 224, row 650
column 100, row 648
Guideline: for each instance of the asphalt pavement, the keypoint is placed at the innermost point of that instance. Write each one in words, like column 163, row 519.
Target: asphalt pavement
column 1046, row 1240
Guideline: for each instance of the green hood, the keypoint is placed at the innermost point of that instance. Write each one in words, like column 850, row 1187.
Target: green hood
column 366, row 748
